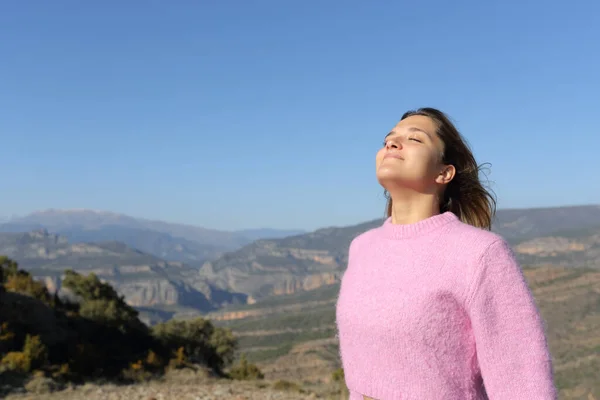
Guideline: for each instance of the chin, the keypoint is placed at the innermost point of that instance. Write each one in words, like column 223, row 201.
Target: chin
column 389, row 172
column 387, row 178
column 393, row 180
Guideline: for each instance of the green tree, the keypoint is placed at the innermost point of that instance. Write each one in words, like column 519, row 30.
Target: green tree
column 100, row 302
column 8, row 268
column 225, row 345
column 200, row 340
column 23, row 282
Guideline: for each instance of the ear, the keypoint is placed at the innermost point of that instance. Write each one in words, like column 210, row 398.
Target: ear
column 446, row 175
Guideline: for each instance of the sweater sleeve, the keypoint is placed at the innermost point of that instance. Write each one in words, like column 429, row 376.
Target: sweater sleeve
column 510, row 341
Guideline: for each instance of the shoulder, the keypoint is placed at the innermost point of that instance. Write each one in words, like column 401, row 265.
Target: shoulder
column 365, row 239
column 476, row 242
column 485, row 255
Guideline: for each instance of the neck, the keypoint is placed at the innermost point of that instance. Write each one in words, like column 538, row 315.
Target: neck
column 409, row 208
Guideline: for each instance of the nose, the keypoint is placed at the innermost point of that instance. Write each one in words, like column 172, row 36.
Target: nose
column 393, row 144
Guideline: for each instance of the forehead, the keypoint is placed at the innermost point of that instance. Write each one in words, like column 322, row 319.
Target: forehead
column 417, row 122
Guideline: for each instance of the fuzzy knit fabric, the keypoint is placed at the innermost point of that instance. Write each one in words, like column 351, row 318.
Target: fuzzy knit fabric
column 439, row 309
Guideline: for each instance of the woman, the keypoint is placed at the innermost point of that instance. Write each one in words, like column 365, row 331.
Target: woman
column 433, row 305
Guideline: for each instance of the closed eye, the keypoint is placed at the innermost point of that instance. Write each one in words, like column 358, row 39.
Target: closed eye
column 416, row 140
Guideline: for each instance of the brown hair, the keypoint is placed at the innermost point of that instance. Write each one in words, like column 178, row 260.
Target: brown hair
column 465, row 195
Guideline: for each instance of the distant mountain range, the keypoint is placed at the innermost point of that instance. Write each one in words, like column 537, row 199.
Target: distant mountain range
column 171, row 268
column 521, row 224
column 170, row 241
column 144, row 280
column 303, row 262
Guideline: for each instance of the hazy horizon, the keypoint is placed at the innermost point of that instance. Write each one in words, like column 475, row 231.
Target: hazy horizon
column 4, row 219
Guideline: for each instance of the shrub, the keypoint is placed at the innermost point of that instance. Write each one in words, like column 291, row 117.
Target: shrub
column 179, row 359
column 153, row 361
column 137, row 373
column 245, row 370
column 16, row 361
column 61, row 372
column 338, row 375
column 6, row 337
column 35, row 351
column 202, row 343
column 33, row 356
column 286, row 385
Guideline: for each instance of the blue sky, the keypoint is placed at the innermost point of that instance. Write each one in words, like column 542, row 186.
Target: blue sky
column 240, row 114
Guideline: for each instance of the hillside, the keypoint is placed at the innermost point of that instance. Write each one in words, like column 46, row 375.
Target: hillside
column 308, row 261
column 522, row 224
column 294, row 336
column 285, row 266
column 145, row 280
column 171, row 241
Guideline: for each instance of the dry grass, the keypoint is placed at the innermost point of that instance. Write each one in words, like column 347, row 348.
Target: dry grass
column 569, row 300
column 180, row 385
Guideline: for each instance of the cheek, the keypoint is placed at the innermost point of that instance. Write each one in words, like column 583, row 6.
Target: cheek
column 379, row 156
column 426, row 159
column 434, row 164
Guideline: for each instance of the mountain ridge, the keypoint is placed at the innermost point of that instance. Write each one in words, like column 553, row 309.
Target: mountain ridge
column 173, row 241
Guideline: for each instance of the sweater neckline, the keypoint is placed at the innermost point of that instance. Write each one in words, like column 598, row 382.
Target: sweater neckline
column 405, row 231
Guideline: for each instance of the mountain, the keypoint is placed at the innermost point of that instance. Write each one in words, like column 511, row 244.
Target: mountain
column 177, row 242
column 568, row 236
column 520, row 224
column 284, row 266
column 269, row 233
column 144, row 280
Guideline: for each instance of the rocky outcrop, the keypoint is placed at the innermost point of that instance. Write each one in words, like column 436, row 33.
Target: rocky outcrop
column 144, row 280
column 552, row 246
column 582, row 250
column 305, row 283
column 285, row 266
column 268, row 310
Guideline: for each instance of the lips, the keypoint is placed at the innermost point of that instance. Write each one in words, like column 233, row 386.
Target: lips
column 392, row 154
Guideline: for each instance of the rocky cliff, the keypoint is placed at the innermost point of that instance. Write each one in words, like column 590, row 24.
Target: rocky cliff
column 144, row 280
column 285, row 266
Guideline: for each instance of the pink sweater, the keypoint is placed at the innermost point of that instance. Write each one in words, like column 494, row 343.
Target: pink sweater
column 439, row 310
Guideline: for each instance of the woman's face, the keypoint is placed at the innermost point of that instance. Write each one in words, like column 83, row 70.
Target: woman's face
column 411, row 156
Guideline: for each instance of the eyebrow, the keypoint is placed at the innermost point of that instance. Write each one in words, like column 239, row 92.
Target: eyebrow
column 411, row 129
